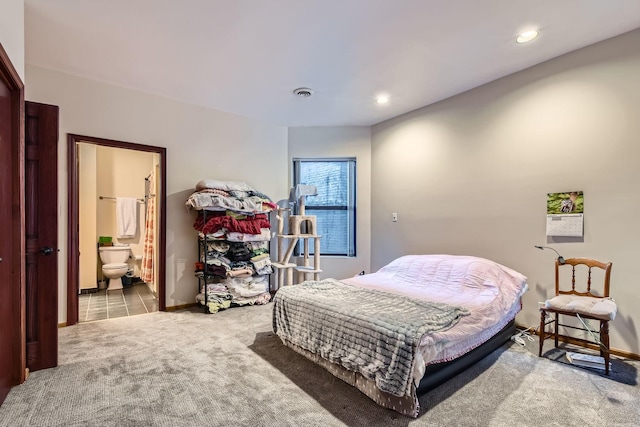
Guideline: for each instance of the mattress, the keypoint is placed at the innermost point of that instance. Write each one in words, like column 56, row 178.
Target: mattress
column 490, row 291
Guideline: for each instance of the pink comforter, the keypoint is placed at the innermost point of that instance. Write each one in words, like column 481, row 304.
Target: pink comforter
column 490, row 291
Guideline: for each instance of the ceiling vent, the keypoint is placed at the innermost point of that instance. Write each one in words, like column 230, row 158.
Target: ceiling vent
column 303, row 92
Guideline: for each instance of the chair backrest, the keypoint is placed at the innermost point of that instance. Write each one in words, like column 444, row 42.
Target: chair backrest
column 584, row 267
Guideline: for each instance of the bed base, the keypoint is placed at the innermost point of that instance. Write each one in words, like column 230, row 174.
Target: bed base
column 442, row 372
column 434, row 376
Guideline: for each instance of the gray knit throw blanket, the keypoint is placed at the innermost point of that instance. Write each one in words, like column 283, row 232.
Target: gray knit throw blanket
column 371, row 332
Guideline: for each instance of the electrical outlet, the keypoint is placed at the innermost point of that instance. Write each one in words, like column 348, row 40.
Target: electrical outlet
column 394, row 217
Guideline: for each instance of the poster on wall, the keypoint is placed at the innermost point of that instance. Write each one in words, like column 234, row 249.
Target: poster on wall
column 565, row 214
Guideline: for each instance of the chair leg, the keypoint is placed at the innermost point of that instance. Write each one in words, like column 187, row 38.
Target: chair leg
column 555, row 330
column 541, row 333
column 604, row 347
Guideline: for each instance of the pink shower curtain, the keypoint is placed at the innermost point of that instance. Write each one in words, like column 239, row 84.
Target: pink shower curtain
column 146, row 272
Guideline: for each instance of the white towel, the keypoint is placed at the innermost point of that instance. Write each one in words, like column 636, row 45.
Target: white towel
column 126, row 217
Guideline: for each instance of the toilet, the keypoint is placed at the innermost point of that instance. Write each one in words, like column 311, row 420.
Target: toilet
column 114, row 264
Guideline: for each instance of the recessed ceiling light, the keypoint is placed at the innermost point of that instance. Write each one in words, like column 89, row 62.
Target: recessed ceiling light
column 382, row 99
column 527, row 36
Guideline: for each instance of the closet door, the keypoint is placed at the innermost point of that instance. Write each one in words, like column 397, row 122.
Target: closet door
column 7, row 282
column 12, row 358
column 41, row 229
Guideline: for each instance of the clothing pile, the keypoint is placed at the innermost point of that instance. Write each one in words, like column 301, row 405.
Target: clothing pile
column 234, row 234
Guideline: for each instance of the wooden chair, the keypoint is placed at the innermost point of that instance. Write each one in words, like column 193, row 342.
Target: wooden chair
column 587, row 304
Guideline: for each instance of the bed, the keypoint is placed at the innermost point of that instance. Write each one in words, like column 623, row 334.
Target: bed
column 404, row 329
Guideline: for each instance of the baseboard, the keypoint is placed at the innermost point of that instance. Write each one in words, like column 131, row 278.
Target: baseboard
column 181, row 306
column 62, row 325
column 583, row 343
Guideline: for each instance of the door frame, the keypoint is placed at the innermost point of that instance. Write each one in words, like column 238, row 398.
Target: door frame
column 17, row 325
column 73, row 236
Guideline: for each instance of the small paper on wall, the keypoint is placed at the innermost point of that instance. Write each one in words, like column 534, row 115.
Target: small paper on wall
column 565, row 214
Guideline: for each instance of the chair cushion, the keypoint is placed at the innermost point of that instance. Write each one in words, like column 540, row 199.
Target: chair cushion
column 600, row 308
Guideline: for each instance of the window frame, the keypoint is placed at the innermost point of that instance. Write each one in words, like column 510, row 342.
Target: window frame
column 351, row 249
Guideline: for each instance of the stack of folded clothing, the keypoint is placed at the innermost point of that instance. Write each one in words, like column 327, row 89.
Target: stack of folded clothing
column 234, row 234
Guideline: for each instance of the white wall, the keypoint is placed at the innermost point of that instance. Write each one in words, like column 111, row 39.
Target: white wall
column 327, row 142
column 12, row 33
column 470, row 175
column 201, row 144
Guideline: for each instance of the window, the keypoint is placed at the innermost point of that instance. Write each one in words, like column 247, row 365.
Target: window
column 335, row 204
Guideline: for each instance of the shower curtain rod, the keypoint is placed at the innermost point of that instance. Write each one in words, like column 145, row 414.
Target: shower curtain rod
column 113, row 198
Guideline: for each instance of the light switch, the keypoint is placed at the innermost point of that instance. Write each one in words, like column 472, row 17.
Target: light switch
column 394, row 217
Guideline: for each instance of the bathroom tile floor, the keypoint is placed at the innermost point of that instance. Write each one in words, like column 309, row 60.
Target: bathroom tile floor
column 129, row 301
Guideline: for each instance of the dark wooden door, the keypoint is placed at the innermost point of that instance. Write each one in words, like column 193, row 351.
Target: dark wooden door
column 6, row 282
column 12, row 317
column 41, row 229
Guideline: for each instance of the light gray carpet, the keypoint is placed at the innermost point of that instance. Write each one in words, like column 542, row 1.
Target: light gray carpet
column 228, row 369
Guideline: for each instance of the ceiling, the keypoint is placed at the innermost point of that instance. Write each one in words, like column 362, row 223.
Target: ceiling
column 247, row 56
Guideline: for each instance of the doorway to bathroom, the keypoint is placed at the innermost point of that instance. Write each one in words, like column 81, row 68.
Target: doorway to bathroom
column 106, row 176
